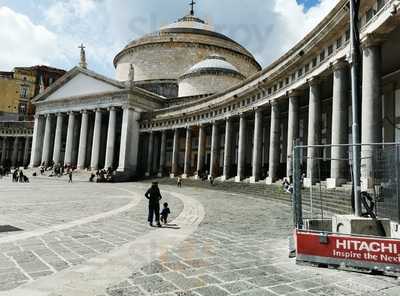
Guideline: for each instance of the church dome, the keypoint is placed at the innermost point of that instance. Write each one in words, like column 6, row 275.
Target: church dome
column 212, row 75
column 163, row 56
column 213, row 63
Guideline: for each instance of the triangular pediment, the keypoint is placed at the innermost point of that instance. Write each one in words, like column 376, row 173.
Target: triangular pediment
column 79, row 82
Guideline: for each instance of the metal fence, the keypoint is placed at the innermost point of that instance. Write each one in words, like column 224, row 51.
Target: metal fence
column 322, row 181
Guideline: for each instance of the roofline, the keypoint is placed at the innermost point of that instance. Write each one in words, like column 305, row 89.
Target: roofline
column 245, row 52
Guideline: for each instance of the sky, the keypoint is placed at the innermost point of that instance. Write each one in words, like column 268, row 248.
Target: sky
column 49, row 31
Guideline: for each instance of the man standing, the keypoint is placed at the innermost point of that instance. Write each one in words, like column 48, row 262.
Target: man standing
column 154, row 197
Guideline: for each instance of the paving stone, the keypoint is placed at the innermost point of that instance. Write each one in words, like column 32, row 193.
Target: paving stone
column 209, row 279
column 257, row 292
column 237, row 287
column 331, row 290
column 282, row 289
column 228, row 276
column 154, row 267
column 211, row 291
column 268, row 281
column 155, row 284
column 183, row 282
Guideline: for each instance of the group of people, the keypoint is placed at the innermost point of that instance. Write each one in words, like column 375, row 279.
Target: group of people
column 18, row 176
column 153, row 194
column 4, row 171
column 102, row 176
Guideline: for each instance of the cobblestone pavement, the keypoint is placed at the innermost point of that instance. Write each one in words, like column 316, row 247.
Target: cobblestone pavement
column 239, row 247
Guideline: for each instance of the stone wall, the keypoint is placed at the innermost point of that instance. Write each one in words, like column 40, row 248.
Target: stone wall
column 171, row 60
column 206, row 83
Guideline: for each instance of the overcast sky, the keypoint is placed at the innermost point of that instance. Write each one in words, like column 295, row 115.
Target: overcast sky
column 50, row 31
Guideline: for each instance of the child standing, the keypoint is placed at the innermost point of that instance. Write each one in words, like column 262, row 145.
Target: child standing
column 164, row 213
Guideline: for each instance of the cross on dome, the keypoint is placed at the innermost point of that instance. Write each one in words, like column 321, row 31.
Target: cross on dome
column 192, row 7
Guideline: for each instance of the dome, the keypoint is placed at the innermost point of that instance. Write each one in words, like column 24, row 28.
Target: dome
column 212, row 63
column 212, row 75
column 159, row 59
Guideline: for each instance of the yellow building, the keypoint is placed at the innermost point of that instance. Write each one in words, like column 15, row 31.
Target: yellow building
column 17, row 88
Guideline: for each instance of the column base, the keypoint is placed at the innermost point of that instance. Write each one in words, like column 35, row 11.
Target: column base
column 238, row 179
column 172, row 176
column 308, row 182
column 333, row 183
column 253, row 180
column 160, row 175
column 224, row 178
column 147, row 174
column 269, row 181
column 185, row 176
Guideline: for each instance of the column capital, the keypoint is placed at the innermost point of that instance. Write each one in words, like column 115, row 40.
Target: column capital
column 112, row 108
column 273, row 103
column 339, row 64
column 127, row 107
column 85, row 111
column 313, row 81
column 372, row 39
column 294, row 93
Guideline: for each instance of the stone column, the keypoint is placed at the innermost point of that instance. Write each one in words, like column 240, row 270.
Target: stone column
column 175, row 154
column 58, row 138
column 128, row 154
column 47, row 141
column 112, row 122
column 201, row 150
column 150, row 149
column 314, row 131
column 162, row 153
column 37, row 141
column 257, row 146
column 70, row 139
column 83, row 140
column 371, row 119
column 339, row 125
column 94, row 165
column 26, row 151
column 293, row 129
column 274, row 144
column 242, row 149
column 14, row 154
column 188, row 152
column 3, row 150
column 227, row 149
column 214, row 161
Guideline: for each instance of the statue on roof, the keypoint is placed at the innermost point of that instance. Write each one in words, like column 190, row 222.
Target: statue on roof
column 82, row 62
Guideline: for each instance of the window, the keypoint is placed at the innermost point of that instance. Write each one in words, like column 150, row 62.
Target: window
column 275, row 87
column 307, row 68
column 380, row 4
column 281, row 84
column 287, row 80
column 314, row 62
column 347, row 35
column 269, row 90
column 22, row 108
column 339, row 43
column 293, row 76
column 330, row 50
column 370, row 13
column 23, row 92
column 322, row 55
column 300, row 72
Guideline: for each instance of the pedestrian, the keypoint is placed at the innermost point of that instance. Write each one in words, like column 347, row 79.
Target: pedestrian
column 154, row 196
column 70, row 176
column 179, row 182
column 164, row 213
column 211, row 179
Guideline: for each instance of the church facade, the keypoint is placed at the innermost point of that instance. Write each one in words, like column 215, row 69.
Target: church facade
column 188, row 100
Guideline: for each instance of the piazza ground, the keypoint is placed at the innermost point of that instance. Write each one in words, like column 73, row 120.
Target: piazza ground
column 93, row 239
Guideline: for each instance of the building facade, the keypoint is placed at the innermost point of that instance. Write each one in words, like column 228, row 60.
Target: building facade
column 159, row 117
column 17, row 89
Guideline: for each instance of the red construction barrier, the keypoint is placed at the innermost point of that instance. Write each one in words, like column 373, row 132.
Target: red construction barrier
column 373, row 253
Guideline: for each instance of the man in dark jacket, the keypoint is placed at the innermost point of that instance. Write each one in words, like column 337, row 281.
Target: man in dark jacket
column 154, row 197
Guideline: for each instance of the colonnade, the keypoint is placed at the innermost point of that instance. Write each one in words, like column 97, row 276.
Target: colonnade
column 15, row 150
column 88, row 139
column 267, row 135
